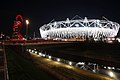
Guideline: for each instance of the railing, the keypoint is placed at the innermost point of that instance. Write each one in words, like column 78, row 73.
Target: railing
column 6, row 76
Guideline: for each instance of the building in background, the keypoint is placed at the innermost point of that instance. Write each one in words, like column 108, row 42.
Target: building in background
column 80, row 29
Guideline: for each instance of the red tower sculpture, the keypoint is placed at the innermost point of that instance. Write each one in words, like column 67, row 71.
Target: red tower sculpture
column 17, row 27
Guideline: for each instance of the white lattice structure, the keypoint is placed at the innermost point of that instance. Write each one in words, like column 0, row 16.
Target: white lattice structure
column 80, row 28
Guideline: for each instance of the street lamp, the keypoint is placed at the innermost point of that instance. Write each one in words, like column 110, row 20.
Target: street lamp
column 27, row 23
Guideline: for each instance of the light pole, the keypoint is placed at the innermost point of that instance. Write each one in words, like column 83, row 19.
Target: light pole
column 27, row 23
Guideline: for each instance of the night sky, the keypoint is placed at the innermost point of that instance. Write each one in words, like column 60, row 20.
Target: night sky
column 42, row 12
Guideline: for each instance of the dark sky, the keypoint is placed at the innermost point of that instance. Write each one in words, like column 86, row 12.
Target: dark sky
column 43, row 11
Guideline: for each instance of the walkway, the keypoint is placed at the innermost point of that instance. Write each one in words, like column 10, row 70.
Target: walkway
column 66, row 72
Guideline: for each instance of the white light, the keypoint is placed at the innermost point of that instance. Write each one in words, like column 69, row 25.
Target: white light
column 40, row 54
column 81, row 63
column 70, row 63
column 110, row 41
column 29, row 50
column 105, row 67
column 55, row 23
column 109, row 67
column 113, row 67
column 58, row 59
column 94, row 70
column 67, row 21
column 49, row 57
column 109, row 38
column 32, row 51
column 43, row 55
column 85, row 20
column 77, row 25
column 35, row 52
column 113, row 39
column 27, row 22
column 111, row 74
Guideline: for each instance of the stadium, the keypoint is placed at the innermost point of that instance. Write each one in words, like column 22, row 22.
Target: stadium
column 79, row 29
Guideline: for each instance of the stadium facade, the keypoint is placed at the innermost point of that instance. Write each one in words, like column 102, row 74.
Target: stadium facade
column 80, row 29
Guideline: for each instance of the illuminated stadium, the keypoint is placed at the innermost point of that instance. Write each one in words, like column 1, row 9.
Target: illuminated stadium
column 80, row 29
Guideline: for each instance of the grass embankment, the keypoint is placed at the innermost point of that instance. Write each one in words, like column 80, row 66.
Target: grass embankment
column 20, row 68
